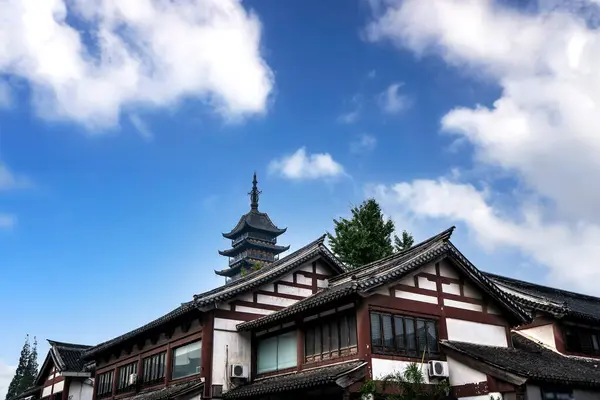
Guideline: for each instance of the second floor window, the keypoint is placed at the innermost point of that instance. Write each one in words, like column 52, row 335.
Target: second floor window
column 186, row 360
column 581, row 340
column 406, row 335
column 331, row 337
column 124, row 374
column 154, row 368
column 277, row 353
column 105, row 384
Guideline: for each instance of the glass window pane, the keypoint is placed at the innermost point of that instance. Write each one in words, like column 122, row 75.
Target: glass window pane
column 186, row 360
column 318, row 340
column 352, row 328
column 309, row 342
column 267, row 355
column 325, row 335
column 344, row 333
column 335, row 335
column 432, row 340
column 287, row 353
column 421, row 335
column 595, row 342
column 411, row 339
column 376, row 330
column 388, row 332
column 399, row 331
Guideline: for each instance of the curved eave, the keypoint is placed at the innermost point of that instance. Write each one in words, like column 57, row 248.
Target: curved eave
column 232, row 271
column 271, row 248
column 243, row 225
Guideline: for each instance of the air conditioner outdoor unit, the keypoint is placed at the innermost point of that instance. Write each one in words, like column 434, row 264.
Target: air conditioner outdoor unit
column 132, row 379
column 438, row 369
column 239, row 371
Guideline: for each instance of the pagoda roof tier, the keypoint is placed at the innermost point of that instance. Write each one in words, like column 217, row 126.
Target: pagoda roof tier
column 251, row 244
column 257, row 221
column 233, row 271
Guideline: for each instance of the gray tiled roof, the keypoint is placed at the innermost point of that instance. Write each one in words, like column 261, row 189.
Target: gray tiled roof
column 169, row 392
column 392, row 268
column 256, row 220
column 294, row 381
column 554, row 301
column 68, row 356
column 226, row 292
column 533, row 361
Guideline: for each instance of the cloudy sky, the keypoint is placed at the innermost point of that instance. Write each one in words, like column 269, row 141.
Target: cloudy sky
column 129, row 132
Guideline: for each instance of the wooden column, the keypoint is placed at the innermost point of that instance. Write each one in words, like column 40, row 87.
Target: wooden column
column 207, row 351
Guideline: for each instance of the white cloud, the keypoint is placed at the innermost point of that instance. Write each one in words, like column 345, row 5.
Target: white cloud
column 6, row 375
column 10, row 181
column 364, row 143
column 7, row 221
column 124, row 54
column 372, row 74
column 300, row 166
column 141, row 127
column 5, row 95
column 542, row 130
column 352, row 116
column 391, row 101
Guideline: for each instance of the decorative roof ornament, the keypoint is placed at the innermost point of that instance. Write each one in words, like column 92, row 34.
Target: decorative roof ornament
column 254, row 194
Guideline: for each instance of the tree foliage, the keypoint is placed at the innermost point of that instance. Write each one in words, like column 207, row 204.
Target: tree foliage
column 26, row 371
column 404, row 243
column 367, row 236
column 407, row 385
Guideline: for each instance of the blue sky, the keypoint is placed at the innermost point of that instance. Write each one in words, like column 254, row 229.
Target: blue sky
column 128, row 142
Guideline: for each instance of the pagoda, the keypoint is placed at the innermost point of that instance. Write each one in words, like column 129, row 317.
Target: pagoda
column 253, row 240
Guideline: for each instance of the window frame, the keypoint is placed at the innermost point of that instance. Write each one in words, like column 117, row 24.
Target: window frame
column 406, row 350
column 174, row 349
column 271, row 336
column 317, row 327
column 160, row 379
column 133, row 369
column 111, row 384
column 544, row 391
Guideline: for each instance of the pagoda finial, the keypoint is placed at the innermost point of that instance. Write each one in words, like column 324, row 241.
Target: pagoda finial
column 254, row 193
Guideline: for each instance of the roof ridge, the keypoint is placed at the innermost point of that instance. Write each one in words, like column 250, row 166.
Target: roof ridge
column 519, row 281
column 68, row 345
column 444, row 235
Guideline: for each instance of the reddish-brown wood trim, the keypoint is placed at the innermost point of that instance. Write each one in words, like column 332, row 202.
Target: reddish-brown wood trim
column 313, row 275
column 315, row 286
column 334, row 360
column 396, row 357
column 464, row 299
column 540, row 321
column 237, row 315
column 207, row 352
column 442, row 326
column 462, row 287
column 284, row 371
column 471, row 389
column 392, row 303
column 257, row 305
column 496, row 385
column 434, row 293
column 436, row 277
column 299, row 348
column 65, row 392
column 363, row 335
column 282, row 295
column 295, row 285
column 411, row 289
column 53, row 381
column 559, row 340
column 416, row 278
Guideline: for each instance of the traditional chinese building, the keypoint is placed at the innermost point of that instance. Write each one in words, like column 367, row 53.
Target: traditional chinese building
column 253, row 240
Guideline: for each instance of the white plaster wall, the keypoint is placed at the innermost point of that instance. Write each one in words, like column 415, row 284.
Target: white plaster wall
column 229, row 347
column 274, row 300
column 471, row 291
column 293, row 290
column 452, row 288
column 252, row 310
column 492, row 309
column 322, row 268
column 79, row 390
column 416, row 297
column 408, row 281
column 585, row 395
column 544, row 334
column 430, row 269
column 269, row 287
column 382, row 367
column 425, row 283
column 447, row 270
column 59, row 386
column 460, row 374
column 475, row 332
column 463, row 305
column 495, row 395
column 533, row 392
column 288, row 278
column 46, row 391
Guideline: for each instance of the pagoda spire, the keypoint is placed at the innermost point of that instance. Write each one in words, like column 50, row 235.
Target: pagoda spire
column 254, row 194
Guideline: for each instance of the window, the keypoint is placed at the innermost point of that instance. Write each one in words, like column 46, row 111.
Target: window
column 124, row 373
column 105, row 384
column 186, row 360
column 331, row 339
column 557, row 394
column 403, row 334
column 154, row 369
column 581, row 340
column 277, row 353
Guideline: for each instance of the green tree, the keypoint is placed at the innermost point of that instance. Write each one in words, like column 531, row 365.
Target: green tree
column 407, row 385
column 15, row 388
column 405, row 243
column 31, row 369
column 364, row 238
